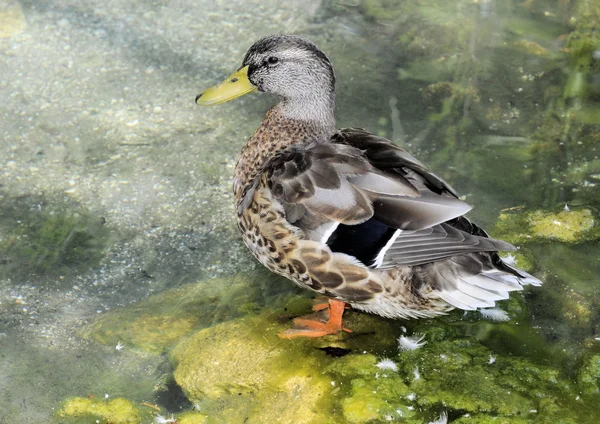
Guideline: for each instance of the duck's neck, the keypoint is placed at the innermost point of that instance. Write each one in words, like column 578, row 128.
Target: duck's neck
column 310, row 108
column 285, row 124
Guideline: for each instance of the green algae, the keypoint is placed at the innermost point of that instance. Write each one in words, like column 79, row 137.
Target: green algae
column 158, row 323
column 119, row 410
column 41, row 237
column 573, row 226
column 367, row 393
column 465, row 376
column 191, row 417
column 116, row 411
column 246, row 359
column 588, row 377
column 236, row 370
column 523, row 259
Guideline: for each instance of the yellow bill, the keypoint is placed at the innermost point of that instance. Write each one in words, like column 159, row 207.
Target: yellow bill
column 236, row 85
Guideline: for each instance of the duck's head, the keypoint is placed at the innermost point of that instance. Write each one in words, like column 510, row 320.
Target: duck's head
column 289, row 66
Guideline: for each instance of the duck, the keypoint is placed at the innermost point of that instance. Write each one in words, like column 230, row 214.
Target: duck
column 346, row 213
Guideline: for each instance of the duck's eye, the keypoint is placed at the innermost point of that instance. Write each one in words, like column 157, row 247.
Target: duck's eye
column 272, row 60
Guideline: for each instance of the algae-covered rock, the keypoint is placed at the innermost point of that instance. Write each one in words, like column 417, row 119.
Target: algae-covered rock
column 241, row 371
column 370, row 393
column 244, row 363
column 191, row 417
column 465, row 376
column 12, row 19
column 115, row 411
column 486, row 419
column 522, row 259
column 568, row 227
column 161, row 321
column 588, row 377
column 573, row 226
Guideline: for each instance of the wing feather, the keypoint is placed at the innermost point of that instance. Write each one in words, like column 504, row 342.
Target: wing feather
column 332, row 181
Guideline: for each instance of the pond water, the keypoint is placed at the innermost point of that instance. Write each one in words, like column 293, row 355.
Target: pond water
column 126, row 293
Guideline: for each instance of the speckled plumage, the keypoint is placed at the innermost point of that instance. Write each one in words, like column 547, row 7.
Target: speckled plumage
column 348, row 214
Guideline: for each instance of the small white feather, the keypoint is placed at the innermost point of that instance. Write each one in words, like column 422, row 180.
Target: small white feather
column 387, row 364
column 411, row 343
column 509, row 259
column 416, row 374
column 494, row 314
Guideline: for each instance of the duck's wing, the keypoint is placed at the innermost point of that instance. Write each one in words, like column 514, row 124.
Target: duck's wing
column 330, row 182
column 437, row 202
column 418, row 230
column 365, row 197
column 385, row 155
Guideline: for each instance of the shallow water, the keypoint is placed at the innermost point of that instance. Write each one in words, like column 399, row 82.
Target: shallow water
column 115, row 186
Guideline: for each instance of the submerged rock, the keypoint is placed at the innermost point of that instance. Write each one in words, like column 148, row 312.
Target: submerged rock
column 116, row 411
column 588, row 377
column 573, row 226
column 260, row 377
column 12, row 19
column 235, row 368
column 120, row 411
column 241, row 371
column 161, row 321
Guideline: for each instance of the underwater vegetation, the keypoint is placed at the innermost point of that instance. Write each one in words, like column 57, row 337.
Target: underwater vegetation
column 572, row 226
column 160, row 322
column 41, row 236
column 239, row 369
column 531, row 99
column 118, row 410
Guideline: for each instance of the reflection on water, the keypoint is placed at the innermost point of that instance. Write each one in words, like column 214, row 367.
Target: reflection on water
column 115, row 192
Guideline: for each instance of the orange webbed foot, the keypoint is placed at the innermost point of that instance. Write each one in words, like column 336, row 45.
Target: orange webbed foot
column 314, row 326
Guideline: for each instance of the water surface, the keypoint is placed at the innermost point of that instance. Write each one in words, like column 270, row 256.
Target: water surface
column 115, row 186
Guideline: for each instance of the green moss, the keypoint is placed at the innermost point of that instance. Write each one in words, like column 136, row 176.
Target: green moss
column 114, row 411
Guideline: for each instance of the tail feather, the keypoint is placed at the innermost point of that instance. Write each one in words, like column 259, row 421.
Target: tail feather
column 466, row 286
column 524, row 277
column 475, row 280
column 461, row 300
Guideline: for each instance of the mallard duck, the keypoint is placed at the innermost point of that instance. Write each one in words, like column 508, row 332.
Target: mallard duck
column 348, row 214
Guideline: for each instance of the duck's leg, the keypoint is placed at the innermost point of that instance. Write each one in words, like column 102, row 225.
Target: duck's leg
column 312, row 326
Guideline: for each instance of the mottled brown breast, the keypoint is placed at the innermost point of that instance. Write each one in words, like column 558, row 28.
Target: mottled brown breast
column 274, row 134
